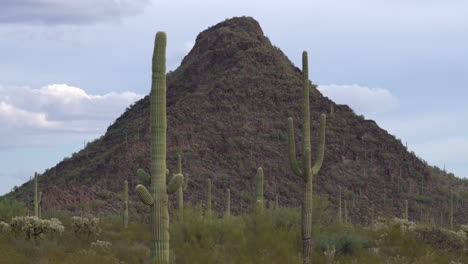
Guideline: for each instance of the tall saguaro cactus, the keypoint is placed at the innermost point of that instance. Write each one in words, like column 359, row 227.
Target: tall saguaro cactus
column 125, row 212
column 182, row 188
column 158, row 197
column 306, row 171
column 259, row 191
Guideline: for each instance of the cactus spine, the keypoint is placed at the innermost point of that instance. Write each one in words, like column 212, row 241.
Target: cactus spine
column 158, row 197
column 259, row 191
column 125, row 212
column 306, row 172
column 340, row 214
column 406, row 209
column 208, row 213
column 228, row 204
column 182, row 188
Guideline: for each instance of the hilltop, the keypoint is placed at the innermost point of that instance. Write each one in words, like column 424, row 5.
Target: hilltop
column 228, row 104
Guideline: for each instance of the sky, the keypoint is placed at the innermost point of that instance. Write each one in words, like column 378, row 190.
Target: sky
column 68, row 69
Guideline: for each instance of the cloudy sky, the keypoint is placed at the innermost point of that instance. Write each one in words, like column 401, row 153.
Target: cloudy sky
column 69, row 68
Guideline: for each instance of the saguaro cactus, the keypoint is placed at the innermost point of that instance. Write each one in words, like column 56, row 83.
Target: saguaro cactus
column 451, row 208
column 37, row 196
column 228, row 204
column 340, row 214
column 182, row 188
column 125, row 212
column 406, row 210
column 306, row 172
column 276, row 203
column 345, row 212
column 158, row 197
column 208, row 212
column 259, row 191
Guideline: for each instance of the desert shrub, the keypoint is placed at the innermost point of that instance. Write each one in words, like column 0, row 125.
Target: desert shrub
column 10, row 209
column 343, row 242
column 34, row 227
column 85, row 227
column 441, row 239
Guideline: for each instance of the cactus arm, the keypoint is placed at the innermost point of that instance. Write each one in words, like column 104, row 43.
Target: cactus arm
column 321, row 148
column 143, row 176
column 292, row 148
column 175, row 183
column 39, row 200
column 144, row 195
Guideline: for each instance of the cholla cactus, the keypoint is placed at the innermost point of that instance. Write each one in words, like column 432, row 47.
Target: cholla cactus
column 34, row 227
column 103, row 247
column 83, row 226
column 4, row 227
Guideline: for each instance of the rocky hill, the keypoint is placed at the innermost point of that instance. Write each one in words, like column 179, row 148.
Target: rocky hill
column 228, row 105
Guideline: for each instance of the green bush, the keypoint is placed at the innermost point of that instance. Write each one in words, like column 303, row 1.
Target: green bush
column 10, row 209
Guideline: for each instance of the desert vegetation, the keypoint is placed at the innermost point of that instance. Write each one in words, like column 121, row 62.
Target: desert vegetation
column 320, row 231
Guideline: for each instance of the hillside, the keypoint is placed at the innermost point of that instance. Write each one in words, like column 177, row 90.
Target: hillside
column 228, row 105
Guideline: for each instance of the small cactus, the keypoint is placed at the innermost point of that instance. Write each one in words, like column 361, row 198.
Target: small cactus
column 208, row 213
column 125, row 212
column 228, row 204
column 259, row 204
column 182, row 188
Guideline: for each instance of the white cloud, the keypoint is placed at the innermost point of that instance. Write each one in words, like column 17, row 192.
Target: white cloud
column 55, row 110
column 17, row 118
column 360, row 98
column 69, row 11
